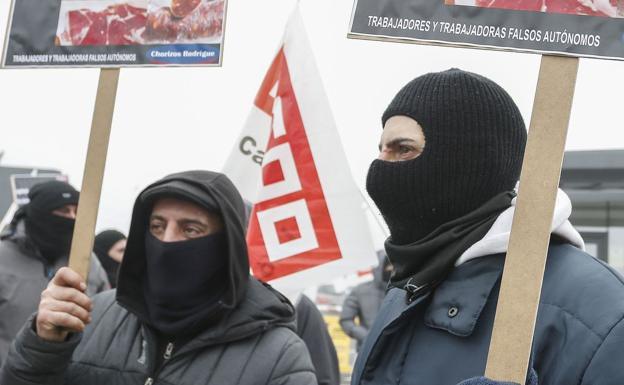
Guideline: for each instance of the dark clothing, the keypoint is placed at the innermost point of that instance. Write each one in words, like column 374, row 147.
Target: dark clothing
column 51, row 195
column 247, row 338
column 312, row 329
column 429, row 260
column 102, row 245
column 24, row 274
column 531, row 380
column 442, row 337
column 254, row 344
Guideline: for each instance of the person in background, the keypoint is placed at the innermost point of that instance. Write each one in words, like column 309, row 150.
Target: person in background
column 32, row 248
column 312, row 329
column 109, row 246
column 364, row 302
column 185, row 311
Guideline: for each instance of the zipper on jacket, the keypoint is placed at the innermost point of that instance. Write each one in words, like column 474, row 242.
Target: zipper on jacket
column 166, row 357
column 413, row 291
column 168, row 351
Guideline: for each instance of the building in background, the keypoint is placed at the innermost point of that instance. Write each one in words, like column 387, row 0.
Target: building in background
column 28, row 177
column 594, row 180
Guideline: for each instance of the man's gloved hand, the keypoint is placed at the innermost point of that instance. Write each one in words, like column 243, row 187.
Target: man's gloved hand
column 532, row 380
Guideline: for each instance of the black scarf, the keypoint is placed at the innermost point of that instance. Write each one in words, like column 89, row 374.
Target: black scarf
column 184, row 282
column 425, row 263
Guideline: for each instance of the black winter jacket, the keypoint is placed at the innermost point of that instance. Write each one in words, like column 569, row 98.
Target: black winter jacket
column 254, row 345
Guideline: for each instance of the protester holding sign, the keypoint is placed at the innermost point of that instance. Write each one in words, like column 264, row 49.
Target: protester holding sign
column 32, row 248
column 451, row 153
column 186, row 310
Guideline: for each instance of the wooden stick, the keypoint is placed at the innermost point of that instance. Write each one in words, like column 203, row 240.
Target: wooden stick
column 514, row 325
column 84, row 231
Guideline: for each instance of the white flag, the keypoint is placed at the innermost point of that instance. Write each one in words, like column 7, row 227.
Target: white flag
column 307, row 225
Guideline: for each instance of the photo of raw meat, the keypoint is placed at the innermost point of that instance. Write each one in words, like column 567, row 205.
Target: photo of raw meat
column 185, row 20
column 139, row 22
column 97, row 22
column 603, row 8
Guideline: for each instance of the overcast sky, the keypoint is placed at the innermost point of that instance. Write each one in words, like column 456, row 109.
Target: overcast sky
column 174, row 119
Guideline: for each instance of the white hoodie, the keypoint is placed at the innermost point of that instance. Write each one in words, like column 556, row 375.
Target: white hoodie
column 497, row 239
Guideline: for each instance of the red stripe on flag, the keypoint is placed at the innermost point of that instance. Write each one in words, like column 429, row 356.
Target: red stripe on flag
column 280, row 238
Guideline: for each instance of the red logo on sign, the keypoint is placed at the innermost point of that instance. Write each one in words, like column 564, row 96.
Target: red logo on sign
column 290, row 229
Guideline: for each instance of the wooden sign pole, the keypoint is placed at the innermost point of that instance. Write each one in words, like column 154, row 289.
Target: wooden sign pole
column 518, row 302
column 84, row 231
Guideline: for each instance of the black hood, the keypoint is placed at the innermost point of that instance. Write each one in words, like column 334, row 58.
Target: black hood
column 211, row 190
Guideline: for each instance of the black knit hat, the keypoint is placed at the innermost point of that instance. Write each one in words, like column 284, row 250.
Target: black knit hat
column 51, row 195
column 475, row 139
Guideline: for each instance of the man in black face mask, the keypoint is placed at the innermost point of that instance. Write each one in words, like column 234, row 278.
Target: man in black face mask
column 32, row 248
column 186, row 310
column 450, row 157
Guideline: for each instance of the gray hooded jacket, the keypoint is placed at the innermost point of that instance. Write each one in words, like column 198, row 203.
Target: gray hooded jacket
column 23, row 276
column 253, row 342
column 363, row 303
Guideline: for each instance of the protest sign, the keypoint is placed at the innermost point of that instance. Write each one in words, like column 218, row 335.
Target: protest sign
column 590, row 28
column 104, row 33
column 22, row 183
column 308, row 224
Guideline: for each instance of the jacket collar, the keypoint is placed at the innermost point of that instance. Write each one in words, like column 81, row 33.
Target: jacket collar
column 457, row 302
column 497, row 238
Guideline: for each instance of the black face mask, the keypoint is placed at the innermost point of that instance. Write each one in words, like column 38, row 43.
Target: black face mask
column 184, row 282
column 419, row 195
column 51, row 234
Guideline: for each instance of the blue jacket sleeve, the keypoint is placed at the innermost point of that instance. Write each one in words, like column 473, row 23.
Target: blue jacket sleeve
column 606, row 367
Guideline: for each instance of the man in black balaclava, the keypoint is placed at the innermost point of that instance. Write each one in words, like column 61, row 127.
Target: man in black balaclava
column 50, row 217
column 33, row 247
column 450, row 157
column 186, row 310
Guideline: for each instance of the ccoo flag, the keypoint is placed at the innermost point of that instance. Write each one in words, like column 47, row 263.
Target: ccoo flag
column 307, row 224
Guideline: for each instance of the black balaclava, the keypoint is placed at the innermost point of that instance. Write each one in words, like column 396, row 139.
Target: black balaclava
column 475, row 139
column 104, row 241
column 50, row 234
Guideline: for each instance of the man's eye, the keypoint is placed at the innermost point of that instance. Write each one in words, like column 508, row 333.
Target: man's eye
column 405, row 149
column 191, row 231
column 155, row 226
